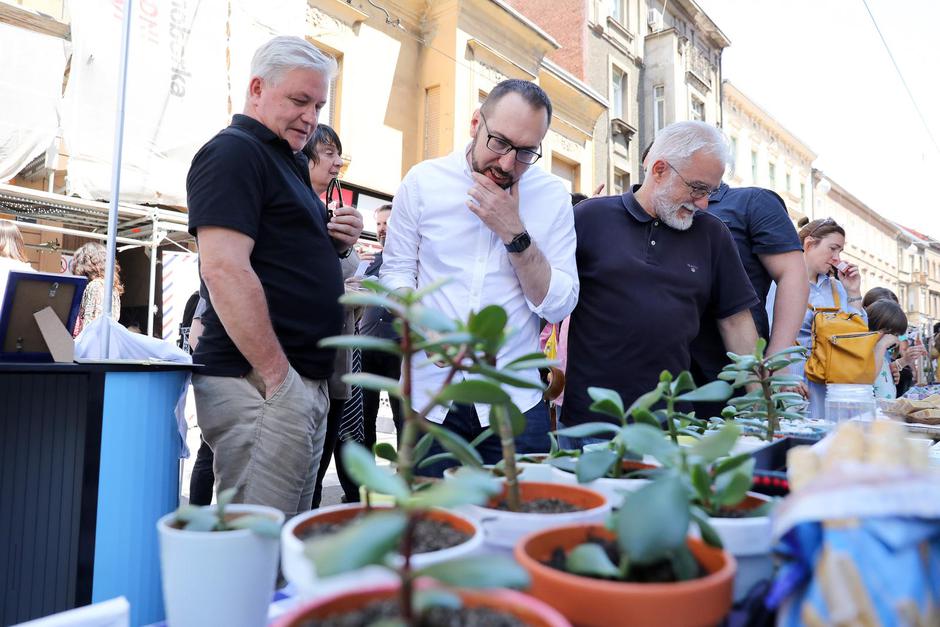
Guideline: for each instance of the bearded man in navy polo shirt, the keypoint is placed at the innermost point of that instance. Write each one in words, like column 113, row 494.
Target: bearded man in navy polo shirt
column 269, row 260
column 651, row 263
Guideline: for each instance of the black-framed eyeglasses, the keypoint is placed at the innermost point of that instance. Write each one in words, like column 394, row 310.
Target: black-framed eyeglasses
column 696, row 190
column 502, row 147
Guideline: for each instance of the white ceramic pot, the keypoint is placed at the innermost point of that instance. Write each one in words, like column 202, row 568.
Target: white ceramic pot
column 528, row 471
column 218, row 577
column 613, row 489
column 503, row 529
column 300, row 571
column 749, row 540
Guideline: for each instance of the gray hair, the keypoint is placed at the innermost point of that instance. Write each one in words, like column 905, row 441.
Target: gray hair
column 283, row 54
column 677, row 143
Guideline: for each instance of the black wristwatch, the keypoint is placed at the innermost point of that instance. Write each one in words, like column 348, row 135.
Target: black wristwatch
column 345, row 254
column 519, row 243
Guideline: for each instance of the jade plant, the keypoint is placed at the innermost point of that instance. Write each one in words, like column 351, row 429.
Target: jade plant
column 607, row 460
column 386, row 536
column 195, row 518
column 768, row 380
column 651, row 530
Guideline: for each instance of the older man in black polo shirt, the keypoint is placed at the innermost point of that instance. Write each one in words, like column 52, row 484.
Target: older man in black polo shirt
column 269, row 260
column 651, row 263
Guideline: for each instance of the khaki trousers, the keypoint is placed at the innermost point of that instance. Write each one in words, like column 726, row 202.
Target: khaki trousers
column 269, row 450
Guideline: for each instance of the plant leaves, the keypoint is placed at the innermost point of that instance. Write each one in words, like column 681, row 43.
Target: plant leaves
column 432, row 319
column 456, row 338
column 194, row 518
column 385, row 450
column 422, row 447
column 645, row 416
column 683, row 563
column 225, row 497
column 371, row 299
column 589, row 430
column 262, row 525
column 606, row 401
column 472, row 391
column 714, row 392
column 590, row 559
column 716, row 445
column 488, row 324
column 478, row 571
column 647, row 400
column 654, row 520
column 434, row 597
column 364, row 542
column 700, row 481
column 730, row 463
column 731, row 487
column 646, row 440
column 468, row 486
column 360, row 465
column 362, row 342
column 461, row 449
column 531, row 364
column 595, row 464
column 373, row 382
column 508, row 377
column 709, row 535
column 683, row 383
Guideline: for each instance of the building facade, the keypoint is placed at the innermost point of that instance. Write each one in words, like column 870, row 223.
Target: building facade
column 766, row 154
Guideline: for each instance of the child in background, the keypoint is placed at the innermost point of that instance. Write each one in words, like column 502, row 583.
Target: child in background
column 886, row 317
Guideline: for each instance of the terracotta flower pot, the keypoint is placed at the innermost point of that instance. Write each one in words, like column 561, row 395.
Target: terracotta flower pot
column 299, row 569
column 503, row 529
column 612, row 488
column 592, row 602
column 531, row 611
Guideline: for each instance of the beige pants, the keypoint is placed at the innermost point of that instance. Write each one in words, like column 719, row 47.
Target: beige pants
column 269, row 450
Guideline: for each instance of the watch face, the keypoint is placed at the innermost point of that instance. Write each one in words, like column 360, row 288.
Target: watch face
column 519, row 243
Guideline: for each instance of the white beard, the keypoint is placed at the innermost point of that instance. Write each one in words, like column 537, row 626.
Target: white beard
column 669, row 212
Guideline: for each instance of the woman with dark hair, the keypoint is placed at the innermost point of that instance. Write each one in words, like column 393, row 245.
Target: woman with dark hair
column 878, row 293
column 833, row 282
column 886, row 317
column 89, row 261
column 344, row 421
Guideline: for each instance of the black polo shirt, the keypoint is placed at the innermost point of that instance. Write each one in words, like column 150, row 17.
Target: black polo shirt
column 249, row 180
column 644, row 288
column 760, row 225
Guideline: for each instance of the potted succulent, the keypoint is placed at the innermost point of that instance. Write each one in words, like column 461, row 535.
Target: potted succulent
column 644, row 571
column 613, row 468
column 386, row 538
column 219, row 563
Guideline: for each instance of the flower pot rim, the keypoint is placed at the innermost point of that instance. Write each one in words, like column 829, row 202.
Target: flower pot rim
column 164, row 523
column 522, row 556
column 295, row 523
column 559, row 488
column 513, row 598
column 742, row 519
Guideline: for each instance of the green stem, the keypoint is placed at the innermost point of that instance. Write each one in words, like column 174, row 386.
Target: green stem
column 768, row 392
column 406, row 460
column 508, row 444
column 670, row 412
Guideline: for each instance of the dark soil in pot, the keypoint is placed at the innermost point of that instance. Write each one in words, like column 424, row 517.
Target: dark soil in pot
column 430, row 535
column 433, row 617
column 540, row 506
column 660, row 572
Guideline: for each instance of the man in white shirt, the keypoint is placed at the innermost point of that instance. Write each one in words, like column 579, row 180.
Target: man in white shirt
column 503, row 232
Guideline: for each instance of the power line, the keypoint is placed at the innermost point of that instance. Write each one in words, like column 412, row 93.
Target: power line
column 897, row 69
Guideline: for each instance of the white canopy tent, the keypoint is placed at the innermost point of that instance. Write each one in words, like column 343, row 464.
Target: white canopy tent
column 137, row 225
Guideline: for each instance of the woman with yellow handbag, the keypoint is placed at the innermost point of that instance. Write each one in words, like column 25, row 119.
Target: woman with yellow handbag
column 835, row 327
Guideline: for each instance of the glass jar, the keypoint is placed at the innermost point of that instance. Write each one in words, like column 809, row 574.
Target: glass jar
column 849, row 401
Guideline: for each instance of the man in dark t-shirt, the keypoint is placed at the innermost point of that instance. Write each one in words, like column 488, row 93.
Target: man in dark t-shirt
column 770, row 251
column 651, row 263
column 269, row 261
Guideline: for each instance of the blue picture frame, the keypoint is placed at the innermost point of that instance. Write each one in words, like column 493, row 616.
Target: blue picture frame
column 54, row 282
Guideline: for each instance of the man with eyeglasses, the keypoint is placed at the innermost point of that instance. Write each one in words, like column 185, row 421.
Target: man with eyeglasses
column 503, row 231
column 771, row 253
column 651, row 262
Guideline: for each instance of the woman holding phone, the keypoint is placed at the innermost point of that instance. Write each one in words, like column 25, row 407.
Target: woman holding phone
column 829, row 277
column 344, row 421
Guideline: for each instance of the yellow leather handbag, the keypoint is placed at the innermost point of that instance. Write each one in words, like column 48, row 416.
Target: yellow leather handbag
column 843, row 349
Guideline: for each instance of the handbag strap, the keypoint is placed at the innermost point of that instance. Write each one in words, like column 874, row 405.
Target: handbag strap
column 836, row 301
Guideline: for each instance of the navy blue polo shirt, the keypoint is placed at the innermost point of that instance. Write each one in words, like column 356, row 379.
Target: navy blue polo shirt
column 760, row 225
column 644, row 289
column 248, row 179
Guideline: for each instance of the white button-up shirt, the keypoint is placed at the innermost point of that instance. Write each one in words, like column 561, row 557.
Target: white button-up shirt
column 432, row 235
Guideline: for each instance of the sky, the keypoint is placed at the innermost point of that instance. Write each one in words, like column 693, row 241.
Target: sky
column 820, row 69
